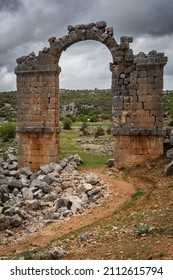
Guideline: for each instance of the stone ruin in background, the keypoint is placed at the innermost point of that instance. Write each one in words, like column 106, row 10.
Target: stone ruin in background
column 137, row 99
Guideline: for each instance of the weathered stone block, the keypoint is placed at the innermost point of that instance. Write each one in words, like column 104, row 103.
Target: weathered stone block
column 101, row 24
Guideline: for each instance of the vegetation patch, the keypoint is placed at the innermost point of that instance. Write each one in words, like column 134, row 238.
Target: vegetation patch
column 7, row 131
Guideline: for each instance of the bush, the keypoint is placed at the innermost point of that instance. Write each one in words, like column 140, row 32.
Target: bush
column 109, row 130
column 27, row 255
column 93, row 118
column 82, row 118
column 143, row 229
column 7, row 131
column 84, row 126
column 67, row 122
column 99, row 131
column 168, row 104
column 84, row 130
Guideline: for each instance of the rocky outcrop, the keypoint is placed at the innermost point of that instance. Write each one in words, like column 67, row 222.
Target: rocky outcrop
column 56, row 191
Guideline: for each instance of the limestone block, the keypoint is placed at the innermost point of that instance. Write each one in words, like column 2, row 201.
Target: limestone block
column 145, row 98
column 129, row 57
column 116, row 121
column 109, row 31
column 133, row 86
column 124, row 46
column 81, row 34
column 118, row 102
column 126, row 39
column 157, row 72
column 159, row 124
column 147, row 80
column 89, row 25
column 103, row 37
column 116, row 113
column 127, row 105
column 148, row 105
column 158, row 86
column 101, row 24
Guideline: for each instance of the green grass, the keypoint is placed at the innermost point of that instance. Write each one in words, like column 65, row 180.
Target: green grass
column 137, row 194
column 68, row 147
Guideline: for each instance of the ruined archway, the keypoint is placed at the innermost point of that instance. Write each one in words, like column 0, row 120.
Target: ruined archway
column 137, row 91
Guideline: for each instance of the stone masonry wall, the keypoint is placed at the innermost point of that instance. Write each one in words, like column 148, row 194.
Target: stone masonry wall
column 137, row 106
column 37, row 118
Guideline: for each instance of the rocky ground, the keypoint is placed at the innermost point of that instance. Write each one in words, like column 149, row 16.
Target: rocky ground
column 28, row 201
column 100, row 147
column 60, row 212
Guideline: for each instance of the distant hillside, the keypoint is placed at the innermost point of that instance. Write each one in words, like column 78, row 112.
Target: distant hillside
column 86, row 102
column 8, row 105
column 97, row 102
column 79, row 102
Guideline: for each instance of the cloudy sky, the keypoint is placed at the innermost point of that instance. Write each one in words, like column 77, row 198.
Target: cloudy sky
column 26, row 25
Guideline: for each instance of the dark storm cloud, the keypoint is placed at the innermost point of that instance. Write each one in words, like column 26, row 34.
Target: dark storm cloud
column 26, row 25
column 139, row 17
column 9, row 5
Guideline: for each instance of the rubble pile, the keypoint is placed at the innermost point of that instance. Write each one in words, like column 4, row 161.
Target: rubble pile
column 57, row 191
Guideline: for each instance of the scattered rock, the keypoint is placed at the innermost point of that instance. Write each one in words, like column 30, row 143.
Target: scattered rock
column 169, row 169
column 25, row 171
column 63, row 202
column 110, row 162
column 56, row 253
column 14, row 184
column 46, row 169
column 91, row 178
column 3, row 222
column 27, row 194
column 85, row 236
column 56, row 191
column 15, row 220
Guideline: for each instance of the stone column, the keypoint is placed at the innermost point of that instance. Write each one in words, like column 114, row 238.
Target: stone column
column 38, row 117
column 137, row 87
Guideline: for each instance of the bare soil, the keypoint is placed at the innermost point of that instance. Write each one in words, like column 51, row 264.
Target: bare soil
column 137, row 195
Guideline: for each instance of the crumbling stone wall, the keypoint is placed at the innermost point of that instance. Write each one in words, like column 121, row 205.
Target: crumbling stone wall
column 137, row 83
column 137, row 105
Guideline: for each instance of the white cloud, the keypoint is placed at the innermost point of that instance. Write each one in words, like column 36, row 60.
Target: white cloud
column 85, row 65
column 7, row 80
column 164, row 44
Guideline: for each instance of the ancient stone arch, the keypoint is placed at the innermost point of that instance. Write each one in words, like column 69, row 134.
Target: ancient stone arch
column 137, row 92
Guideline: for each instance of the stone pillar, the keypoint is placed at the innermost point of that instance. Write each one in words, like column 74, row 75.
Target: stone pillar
column 38, row 117
column 137, row 105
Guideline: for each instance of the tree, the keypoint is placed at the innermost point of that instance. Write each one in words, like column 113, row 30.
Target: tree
column 67, row 122
column 8, row 131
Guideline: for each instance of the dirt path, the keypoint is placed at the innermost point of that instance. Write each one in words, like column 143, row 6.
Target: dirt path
column 120, row 192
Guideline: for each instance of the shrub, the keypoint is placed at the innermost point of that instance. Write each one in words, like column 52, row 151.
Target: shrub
column 82, row 118
column 67, row 122
column 27, row 255
column 143, row 229
column 93, row 118
column 8, row 131
column 99, row 131
column 168, row 105
column 84, row 126
column 84, row 130
column 109, row 130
